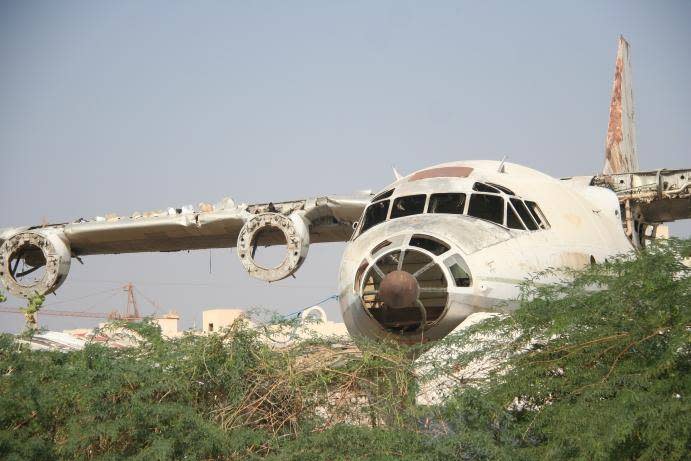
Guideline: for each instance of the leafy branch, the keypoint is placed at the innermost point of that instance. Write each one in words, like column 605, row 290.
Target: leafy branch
column 574, row 372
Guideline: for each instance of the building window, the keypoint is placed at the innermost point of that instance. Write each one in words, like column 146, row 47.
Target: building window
column 211, row 327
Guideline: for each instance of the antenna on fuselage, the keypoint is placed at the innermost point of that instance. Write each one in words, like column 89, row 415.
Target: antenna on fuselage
column 501, row 164
column 396, row 174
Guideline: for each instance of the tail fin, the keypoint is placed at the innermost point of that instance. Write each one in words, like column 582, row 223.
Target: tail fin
column 620, row 145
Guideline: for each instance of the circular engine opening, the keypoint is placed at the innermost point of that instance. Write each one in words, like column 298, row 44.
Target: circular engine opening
column 27, row 265
column 272, row 246
column 415, row 316
column 269, row 257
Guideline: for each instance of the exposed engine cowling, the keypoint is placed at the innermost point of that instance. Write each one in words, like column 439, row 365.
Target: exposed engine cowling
column 33, row 262
column 268, row 229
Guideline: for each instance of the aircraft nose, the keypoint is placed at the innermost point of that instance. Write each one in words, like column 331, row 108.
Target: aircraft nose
column 404, row 285
column 399, row 289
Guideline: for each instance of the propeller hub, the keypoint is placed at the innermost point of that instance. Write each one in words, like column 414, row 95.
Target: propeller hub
column 399, row 289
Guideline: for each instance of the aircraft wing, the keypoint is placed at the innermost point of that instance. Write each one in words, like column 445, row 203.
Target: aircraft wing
column 294, row 224
column 328, row 219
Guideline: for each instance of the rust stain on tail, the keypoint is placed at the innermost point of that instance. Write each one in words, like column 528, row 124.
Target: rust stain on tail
column 614, row 136
column 620, row 144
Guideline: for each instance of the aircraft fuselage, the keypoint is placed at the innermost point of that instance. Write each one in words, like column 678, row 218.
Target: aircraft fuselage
column 459, row 238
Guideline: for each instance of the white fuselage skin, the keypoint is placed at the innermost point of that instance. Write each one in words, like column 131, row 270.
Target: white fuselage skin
column 584, row 227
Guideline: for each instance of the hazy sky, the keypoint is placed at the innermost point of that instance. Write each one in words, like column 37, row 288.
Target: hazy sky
column 133, row 106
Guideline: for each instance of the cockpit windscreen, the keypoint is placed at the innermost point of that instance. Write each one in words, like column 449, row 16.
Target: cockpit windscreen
column 409, row 205
column 446, row 203
column 491, row 202
column 485, row 206
column 375, row 214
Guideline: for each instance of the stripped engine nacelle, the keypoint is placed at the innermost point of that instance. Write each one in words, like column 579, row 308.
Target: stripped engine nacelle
column 33, row 252
column 274, row 229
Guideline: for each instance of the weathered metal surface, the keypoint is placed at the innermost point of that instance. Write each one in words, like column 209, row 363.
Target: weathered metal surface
column 399, row 289
column 649, row 198
column 481, row 260
column 442, row 172
column 38, row 250
column 188, row 229
column 620, row 144
column 654, row 196
column 585, row 226
column 323, row 219
column 294, row 233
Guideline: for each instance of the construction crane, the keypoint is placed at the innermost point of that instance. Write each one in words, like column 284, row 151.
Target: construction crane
column 131, row 311
column 93, row 315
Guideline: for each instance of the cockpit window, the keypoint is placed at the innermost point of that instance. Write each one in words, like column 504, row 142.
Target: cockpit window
column 446, row 203
column 430, row 244
column 537, row 214
column 460, row 276
column 505, row 190
column 383, row 195
column 480, row 187
column 489, row 207
column 375, row 214
column 406, row 206
column 488, row 204
column 512, row 220
column 524, row 214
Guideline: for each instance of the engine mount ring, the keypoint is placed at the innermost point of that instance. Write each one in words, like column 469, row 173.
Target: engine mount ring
column 57, row 263
column 296, row 236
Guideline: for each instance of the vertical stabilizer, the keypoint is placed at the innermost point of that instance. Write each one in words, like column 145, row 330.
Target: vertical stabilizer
column 620, row 145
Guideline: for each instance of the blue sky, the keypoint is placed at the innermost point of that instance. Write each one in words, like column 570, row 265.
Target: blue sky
column 124, row 106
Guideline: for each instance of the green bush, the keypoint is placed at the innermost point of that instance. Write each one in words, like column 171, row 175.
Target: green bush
column 597, row 368
column 593, row 368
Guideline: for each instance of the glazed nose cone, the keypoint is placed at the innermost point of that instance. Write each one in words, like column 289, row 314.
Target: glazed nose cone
column 399, row 289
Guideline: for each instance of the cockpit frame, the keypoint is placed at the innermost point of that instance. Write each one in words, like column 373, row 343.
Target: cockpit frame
column 517, row 213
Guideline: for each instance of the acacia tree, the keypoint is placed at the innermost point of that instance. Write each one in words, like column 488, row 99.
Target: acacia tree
column 597, row 367
column 30, row 311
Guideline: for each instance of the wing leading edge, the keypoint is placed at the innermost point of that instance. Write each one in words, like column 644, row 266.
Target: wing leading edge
column 295, row 224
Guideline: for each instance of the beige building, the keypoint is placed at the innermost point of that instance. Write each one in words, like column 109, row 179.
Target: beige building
column 216, row 319
column 169, row 324
column 312, row 322
column 315, row 319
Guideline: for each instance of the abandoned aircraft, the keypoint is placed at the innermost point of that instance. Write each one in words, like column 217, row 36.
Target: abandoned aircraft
column 424, row 253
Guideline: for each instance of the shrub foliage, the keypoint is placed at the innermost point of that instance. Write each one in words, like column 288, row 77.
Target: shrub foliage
column 596, row 367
